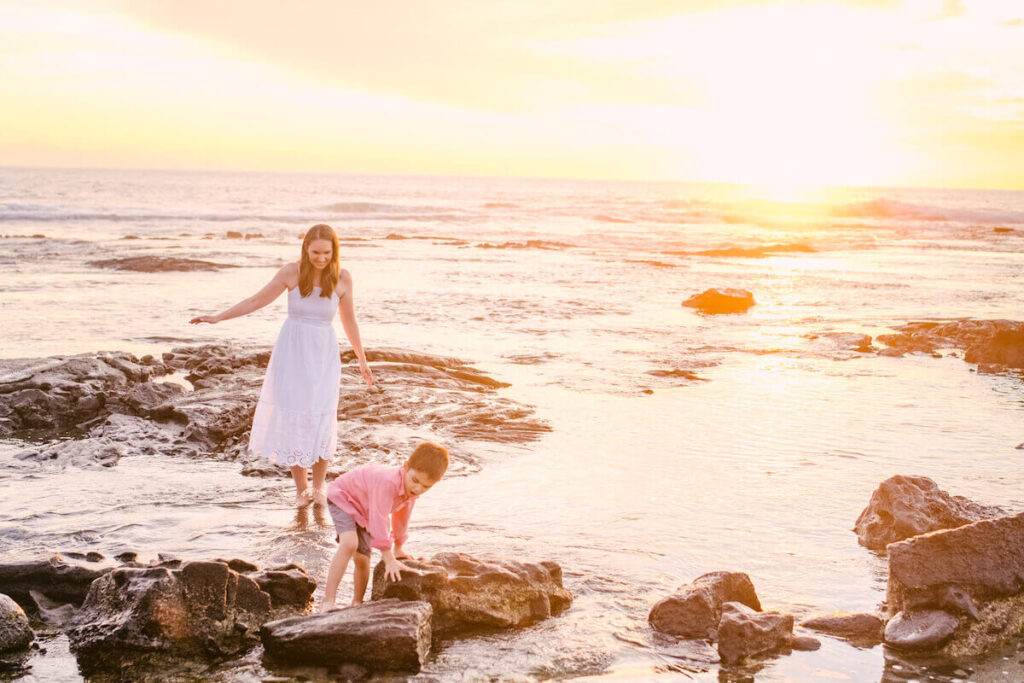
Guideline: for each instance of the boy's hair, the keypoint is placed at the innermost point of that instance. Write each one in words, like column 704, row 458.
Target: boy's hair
column 430, row 459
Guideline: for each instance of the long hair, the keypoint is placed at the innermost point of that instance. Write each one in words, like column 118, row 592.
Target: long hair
column 329, row 276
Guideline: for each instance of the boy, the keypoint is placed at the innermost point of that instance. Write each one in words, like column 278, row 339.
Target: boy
column 370, row 506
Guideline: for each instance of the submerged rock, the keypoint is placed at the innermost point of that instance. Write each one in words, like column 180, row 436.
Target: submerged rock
column 974, row 573
column 472, row 592
column 744, row 632
column 15, row 632
column 157, row 264
column 721, row 301
column 906, row 506
column 695, row 609
column 385, row 635
column 204, row 609
column 860, row 628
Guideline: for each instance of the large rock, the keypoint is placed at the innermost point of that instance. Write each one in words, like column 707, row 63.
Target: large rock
column 974, row 572
column 860, row 628
column 920, row 630
column 204, row 609
column 385, row 635
column 61, row 578
column 988, row 342
column 15, row 632
column 906, row 506
column 469, row 592
column 744, row 632
column 288, row 586
column 721, row 301
column 695, row 609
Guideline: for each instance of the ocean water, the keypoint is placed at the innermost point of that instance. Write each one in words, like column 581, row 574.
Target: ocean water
column 571, row 292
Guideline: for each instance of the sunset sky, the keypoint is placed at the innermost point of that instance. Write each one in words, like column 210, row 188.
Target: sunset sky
column 867, row 92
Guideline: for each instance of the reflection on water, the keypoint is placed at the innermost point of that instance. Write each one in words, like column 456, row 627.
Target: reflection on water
column 646, row 480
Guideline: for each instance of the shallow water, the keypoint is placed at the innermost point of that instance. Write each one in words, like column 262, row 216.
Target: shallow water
column 645, row 481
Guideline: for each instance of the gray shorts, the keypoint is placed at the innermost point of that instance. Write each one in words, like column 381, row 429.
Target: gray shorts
column 343, row 522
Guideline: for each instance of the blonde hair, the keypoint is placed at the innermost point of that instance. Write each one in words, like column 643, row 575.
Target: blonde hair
column 329, row 276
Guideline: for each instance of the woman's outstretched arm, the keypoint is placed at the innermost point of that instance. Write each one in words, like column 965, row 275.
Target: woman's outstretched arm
column 270, row 291
column 347, row 310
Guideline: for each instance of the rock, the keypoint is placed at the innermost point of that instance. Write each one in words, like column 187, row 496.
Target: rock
column 715, row 301
column 906, row 506
column 204, row 609
column 287, row 586
column 240, row 566
column 52, row 613
column 695, row 609
column 469, row 592
column 58, row 578
column 384, row 635
column 974, row 571
column 744, row 632
column 988, row 342
column 846, row 340
column 234, row 235
column 920, row 630
column 157, row 264
column 15, row 632
column 804, row 643
column 861, row 628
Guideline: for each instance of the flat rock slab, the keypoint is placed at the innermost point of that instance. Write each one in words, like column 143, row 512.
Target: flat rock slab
column 384, row 635
column 474, row 592
column 716, row 301
column 920, row 630
column 861, row 628
column 744, row 632
column 694, row 610
column 906, row 506
column 61, row 578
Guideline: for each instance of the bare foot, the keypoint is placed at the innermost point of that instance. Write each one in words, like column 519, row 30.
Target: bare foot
column 303, row 498
column 320, row 497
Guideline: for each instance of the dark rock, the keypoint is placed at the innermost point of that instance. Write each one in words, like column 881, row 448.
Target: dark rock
column 157, row 264
column 721, row 301
column 128, row 556
column 695, row 609
column 59, row 579
column 234, row 235
column 202, row 610
column 804, row 643
column 906, row 506
column 253, row 235
column 15, row 632
column 473, row 592
column 385, row 635
column 287, row 586
column 860, row 628
column 920, row 630
column 987, row 342
column 240, row 566
column 744, row 632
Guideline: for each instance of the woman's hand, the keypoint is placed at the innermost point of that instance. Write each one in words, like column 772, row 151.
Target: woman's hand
column 364, row 370
column 204, row 319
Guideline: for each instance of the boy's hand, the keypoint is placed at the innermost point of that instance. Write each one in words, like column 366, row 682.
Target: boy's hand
column 393, row 570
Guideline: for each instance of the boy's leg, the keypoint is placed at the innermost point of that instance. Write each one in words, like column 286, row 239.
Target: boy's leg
column 302, row 496
column 360, row 577
column 347, row 544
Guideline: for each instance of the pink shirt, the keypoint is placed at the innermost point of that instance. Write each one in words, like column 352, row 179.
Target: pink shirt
column 374, row 495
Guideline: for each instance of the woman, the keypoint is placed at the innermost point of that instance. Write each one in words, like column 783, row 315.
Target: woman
column 296, row 419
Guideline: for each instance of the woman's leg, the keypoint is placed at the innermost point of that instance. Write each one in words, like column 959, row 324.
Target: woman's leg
column 302, row 494
column 319, row 475
column 360, row 578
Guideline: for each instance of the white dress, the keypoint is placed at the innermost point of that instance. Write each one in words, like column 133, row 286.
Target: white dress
column 296, row 419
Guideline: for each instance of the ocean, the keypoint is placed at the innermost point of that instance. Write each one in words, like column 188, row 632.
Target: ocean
column 679, row 443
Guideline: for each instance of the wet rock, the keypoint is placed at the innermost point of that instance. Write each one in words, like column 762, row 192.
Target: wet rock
column 52, row 613
column 15, row 632
column 385, row 635
column 721, row 301
column 905, row 506
column 920, row 630
column 804, row 643
column 61, row 579
column 472, row 592
column 744, row 632
column 975, row 572
column 287, row 586
column 695, row 609
column 989, row 342
column 157, row 264
column 234, row 235
column 860, row 628
column 204, row 609
column 240, row 566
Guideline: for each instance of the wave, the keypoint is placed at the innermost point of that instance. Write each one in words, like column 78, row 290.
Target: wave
column 890, row 208
column 363, row 208
column 749, row 252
